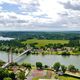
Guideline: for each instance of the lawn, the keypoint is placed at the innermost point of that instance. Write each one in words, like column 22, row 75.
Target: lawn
column 36, row 78
column 44, row 42
column 67, row 78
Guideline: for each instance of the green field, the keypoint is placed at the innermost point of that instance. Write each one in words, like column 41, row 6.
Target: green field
column 61, row 78
column 44, row 42
column 67, row 78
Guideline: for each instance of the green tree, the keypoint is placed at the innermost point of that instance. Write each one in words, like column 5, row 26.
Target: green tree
column 2, row 75
column 13, row 64
column 21, row 75
column 24, row 64
column 74, row 43
column 72, row 68
column 63, row 68
column 12, row 75
column 1, row 62
column 65, row 53
column 28, row 66
column 56, row 66
column 16, row 50
column 45, row 66
column 20, row 50
column 39, row 65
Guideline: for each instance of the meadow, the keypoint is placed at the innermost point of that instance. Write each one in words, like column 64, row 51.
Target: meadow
column 44, row 42
column 67, row 78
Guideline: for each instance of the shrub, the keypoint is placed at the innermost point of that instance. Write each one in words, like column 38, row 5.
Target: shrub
column 39, row 65
column 56, row 66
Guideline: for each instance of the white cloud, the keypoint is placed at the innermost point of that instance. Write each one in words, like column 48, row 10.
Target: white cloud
column 51, row 8
column 40, row 14
column 24, row 1
column 8, row 1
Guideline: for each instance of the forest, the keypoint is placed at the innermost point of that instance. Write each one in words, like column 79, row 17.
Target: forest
column 66, row 35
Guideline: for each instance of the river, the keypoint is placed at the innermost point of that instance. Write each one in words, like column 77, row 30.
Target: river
column 46, row 60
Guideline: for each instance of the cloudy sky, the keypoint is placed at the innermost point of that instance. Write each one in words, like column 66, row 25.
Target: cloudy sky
column 40, row 15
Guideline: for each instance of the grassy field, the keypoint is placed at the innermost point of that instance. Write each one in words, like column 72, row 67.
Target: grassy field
column 36, row 78
column 67, row 78
column 44, row 42
column 61, row 78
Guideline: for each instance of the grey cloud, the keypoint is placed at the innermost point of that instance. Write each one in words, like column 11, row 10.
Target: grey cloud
column 51, row 25
column 41, row 16
column 6, row 21
column 63, row 14
column 32, row 7
column 12, row 17
column 69, row 5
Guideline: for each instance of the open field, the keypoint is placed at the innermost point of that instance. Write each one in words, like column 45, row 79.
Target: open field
column 67, row 78
column 61, row 78
column 44, row 42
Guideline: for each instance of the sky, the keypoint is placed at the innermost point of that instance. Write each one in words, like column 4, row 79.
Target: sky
column 39, row 15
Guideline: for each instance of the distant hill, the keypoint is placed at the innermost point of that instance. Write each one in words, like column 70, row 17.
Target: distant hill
column 24, row 35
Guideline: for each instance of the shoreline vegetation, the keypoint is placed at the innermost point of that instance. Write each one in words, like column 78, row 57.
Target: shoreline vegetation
column 42, row 46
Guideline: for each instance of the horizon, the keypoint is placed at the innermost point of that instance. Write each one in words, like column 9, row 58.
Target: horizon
column 41, row 31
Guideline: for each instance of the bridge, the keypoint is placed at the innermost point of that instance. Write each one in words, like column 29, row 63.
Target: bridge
column 25, row 52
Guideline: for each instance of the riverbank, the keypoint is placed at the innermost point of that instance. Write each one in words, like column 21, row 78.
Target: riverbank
column 42, row 46
column 57, row 47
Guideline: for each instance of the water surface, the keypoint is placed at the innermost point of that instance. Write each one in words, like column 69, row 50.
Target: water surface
column 46, row 60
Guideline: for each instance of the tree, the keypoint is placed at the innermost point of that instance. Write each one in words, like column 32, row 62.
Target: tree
column 2, row 75
column 16, row 50
column 21, row 75
column 56, row 66
column 49, row 45
column 72, row 68
column 12, row 75
column 45, row 66
column 65, row 53
column 74, row 43
column 7, row 78
column 24, row 64
column 39, row 65
column 28, row 66
column 63, row 68
column 20, row 50
column 13, row 64
column 1, row 62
